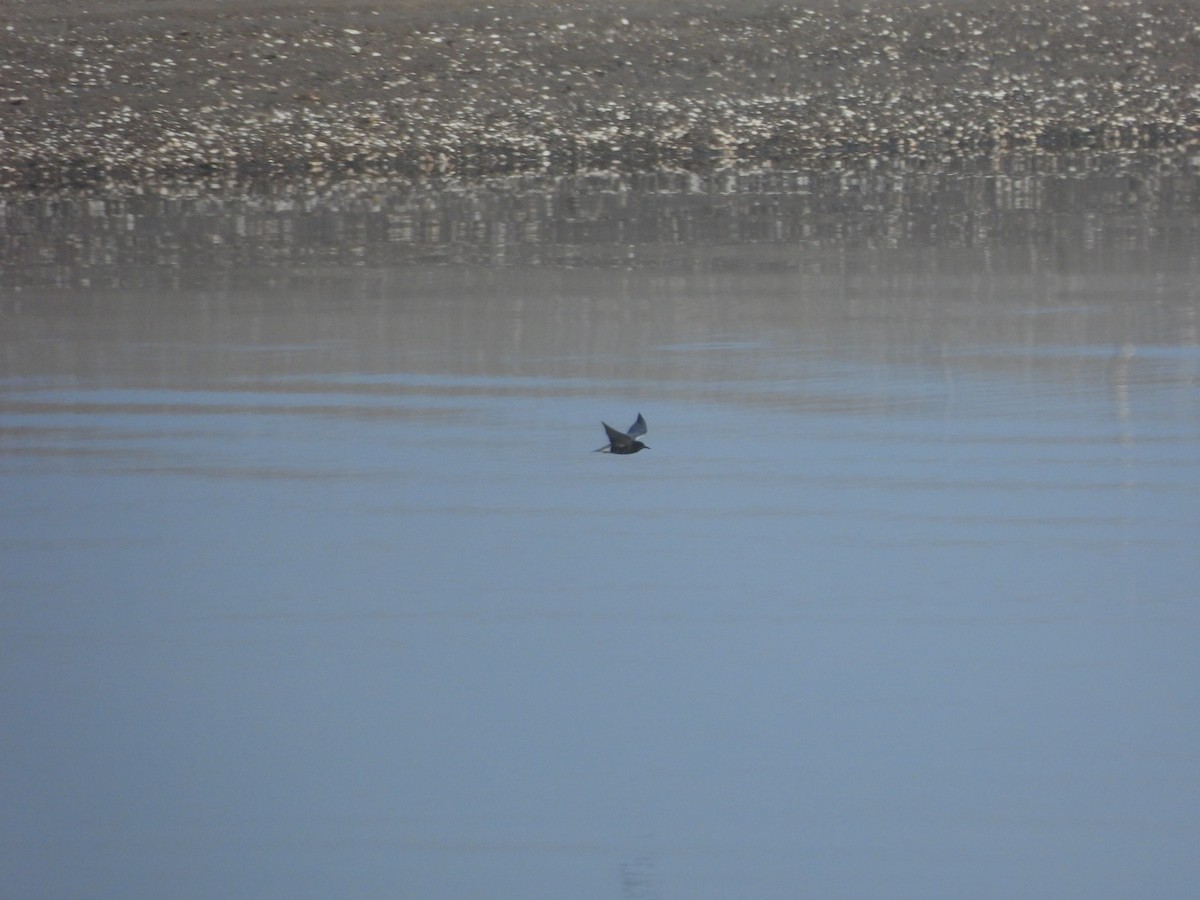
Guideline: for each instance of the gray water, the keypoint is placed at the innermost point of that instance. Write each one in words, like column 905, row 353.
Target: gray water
column 313, row 586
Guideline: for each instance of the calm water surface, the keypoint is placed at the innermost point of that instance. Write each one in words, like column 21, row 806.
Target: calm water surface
column 313, row 587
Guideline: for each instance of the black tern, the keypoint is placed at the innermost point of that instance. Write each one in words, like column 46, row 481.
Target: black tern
column 627, row 442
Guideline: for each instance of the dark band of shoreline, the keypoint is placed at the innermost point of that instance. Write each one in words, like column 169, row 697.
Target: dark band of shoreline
column 130, row 92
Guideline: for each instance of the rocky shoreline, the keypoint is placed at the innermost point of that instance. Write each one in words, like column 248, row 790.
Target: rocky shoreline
column 130, row 92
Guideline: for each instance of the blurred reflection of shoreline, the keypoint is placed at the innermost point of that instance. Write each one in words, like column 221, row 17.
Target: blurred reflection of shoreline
column 977, row 219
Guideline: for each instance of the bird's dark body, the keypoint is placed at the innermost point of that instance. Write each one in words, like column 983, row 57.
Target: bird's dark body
column 624, row 443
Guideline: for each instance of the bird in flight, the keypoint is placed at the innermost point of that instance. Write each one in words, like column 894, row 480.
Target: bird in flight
column 626, row 442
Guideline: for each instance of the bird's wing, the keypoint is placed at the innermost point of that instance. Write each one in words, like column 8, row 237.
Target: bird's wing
column 616, row 438
column 638, row 428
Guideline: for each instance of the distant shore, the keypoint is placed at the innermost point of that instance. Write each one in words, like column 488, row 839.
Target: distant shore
column 132, row 91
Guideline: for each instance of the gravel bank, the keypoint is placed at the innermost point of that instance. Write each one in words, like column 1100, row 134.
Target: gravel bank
column 137, row 90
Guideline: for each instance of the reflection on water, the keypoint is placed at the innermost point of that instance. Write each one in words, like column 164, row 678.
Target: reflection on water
column 985, row 218
column 310, row 584
column 872, row 264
